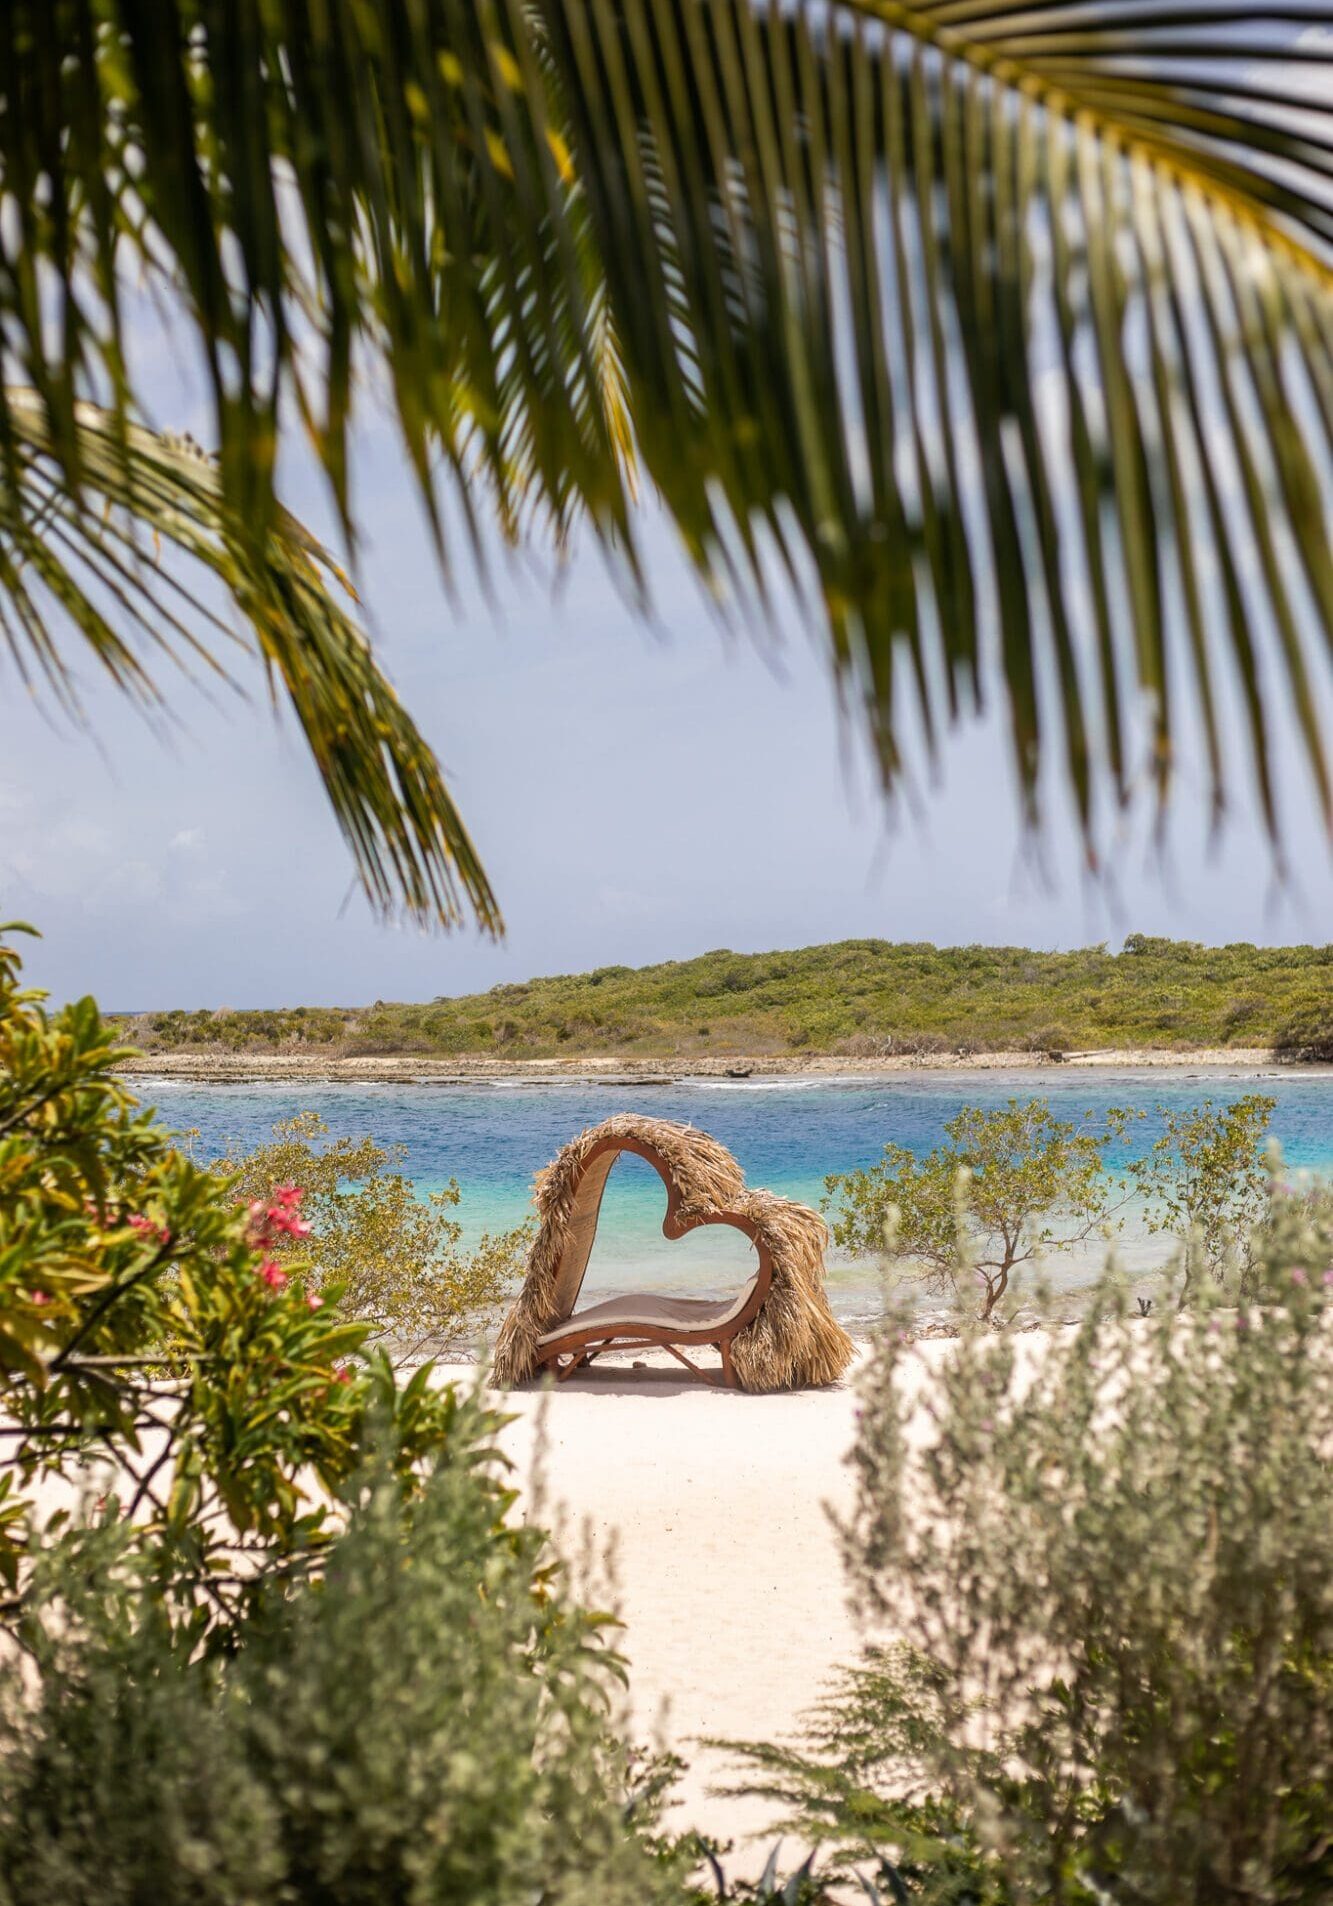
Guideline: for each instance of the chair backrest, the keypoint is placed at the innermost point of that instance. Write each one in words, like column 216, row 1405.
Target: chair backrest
column 581, row 1232
column 581, row 1229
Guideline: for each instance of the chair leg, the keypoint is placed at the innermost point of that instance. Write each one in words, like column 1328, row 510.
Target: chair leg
column 728, row 1372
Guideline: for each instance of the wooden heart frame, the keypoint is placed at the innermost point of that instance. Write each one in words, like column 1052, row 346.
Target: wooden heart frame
column 778, row 1335
column 577, row 1348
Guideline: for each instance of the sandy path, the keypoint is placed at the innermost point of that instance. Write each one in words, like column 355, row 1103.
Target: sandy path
column 726, row 1564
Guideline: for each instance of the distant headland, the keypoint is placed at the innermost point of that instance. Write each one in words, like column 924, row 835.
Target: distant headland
column 853, row 1006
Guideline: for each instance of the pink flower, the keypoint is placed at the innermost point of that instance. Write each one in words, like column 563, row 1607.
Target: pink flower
column 341, row 1374
column 1328, row 1276
column 273, row 1274
column 287, row 1225
column 284, row 1213
column 313, row 1301
column 148, row 1227
column 258, row 1228
column 279, row 1218
column 40, row 1297
column 1298, row 1276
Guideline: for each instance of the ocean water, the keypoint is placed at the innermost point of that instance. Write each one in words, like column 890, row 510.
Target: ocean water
column 788, row 1135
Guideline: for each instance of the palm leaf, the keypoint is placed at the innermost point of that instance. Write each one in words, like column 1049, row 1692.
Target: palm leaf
column 306, row 182
column 150, row 545
column 1008, row 329
column 1012, row 323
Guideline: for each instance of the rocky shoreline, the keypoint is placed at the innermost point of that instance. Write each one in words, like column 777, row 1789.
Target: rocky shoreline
column 240, row 1068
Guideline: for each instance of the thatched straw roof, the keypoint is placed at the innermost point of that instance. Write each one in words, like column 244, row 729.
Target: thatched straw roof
column 793, row 1340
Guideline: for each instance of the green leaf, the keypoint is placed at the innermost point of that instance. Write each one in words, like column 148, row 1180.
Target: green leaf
column 1006, row 331
column 92, row 566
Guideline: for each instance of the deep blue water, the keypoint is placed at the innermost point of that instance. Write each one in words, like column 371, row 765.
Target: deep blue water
column 788, row 1135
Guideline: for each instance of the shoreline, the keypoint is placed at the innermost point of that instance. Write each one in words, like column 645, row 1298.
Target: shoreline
column 247, row 1068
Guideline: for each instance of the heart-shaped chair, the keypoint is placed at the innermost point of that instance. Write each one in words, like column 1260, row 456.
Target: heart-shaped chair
column 775, row 1334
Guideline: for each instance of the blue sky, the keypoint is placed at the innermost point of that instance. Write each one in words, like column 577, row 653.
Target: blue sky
column 637, row 795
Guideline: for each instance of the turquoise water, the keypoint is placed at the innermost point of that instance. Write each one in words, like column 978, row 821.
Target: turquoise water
column 787, row 1134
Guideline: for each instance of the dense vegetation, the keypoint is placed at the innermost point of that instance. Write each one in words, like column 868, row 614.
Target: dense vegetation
column 855, row 998
column 1109, row 1684
column 432, row 1725
column 270, row 1629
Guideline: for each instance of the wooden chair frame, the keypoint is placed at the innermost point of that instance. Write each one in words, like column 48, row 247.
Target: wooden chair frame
column 574, row 1348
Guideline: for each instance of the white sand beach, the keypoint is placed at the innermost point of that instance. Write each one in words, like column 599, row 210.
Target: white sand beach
column 728, row 1577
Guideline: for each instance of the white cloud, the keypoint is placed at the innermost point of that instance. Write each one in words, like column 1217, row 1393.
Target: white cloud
column 112, row 874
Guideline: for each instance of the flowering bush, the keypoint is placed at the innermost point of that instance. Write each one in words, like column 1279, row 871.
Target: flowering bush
column 147, row 1321
column 359, row 1225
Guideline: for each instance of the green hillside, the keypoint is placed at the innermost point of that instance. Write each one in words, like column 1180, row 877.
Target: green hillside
column 854, row 998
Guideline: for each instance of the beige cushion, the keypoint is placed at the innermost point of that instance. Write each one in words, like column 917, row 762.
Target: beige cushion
column 661, row 1313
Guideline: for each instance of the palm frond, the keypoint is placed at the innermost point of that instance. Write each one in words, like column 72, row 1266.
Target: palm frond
column 1014, row 321
column 150, row 547
column 1012, row 325
column 306, row 182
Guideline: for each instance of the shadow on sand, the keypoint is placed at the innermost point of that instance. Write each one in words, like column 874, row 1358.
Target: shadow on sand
column 639, row 1379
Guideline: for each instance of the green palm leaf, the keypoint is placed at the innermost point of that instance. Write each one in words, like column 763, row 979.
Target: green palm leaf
column 1013, row 324
column 1007, row 330
column 151, row 545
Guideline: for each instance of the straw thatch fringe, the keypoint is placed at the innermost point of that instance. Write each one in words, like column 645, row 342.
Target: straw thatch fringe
column 794, row 1339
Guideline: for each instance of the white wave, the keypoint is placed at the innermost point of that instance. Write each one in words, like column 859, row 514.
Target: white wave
column 778, row 1085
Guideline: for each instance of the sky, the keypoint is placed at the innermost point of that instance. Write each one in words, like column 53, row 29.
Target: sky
column 638, row 793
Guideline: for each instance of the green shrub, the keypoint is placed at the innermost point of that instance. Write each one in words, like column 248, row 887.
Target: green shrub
column 1052, row 1039
column 396, row 1258
column 1110, row 1564
column 1206, row 1181
column 1005, row 1188
column 1240, row 1016
column 148, row 1319
column 428, row 1724
column 1308, row 1033
column 1294, row 1238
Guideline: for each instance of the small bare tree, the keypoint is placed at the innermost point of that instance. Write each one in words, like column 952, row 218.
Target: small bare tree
column 1003, row 1189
